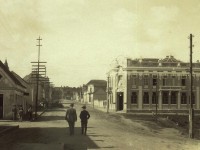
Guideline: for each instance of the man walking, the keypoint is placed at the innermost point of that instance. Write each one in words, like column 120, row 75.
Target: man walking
column 84, row 116
column 71, row 118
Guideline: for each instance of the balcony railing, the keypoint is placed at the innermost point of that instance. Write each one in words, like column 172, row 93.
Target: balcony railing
column 171, row 87
column 174, row 87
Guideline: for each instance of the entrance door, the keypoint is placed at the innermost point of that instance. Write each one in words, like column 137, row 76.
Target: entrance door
column 1, row 106
column 120, row 101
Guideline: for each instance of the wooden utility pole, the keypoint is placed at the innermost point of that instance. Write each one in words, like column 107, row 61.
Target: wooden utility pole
column 36, row 73
column 191, row 110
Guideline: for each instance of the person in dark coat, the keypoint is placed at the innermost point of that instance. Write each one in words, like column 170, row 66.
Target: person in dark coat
column 84, row 116
column 71, row 118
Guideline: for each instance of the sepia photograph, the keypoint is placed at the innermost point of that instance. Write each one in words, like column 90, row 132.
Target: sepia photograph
column 99, row 75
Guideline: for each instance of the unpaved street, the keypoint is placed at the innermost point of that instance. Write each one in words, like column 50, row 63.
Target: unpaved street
column 111, row 132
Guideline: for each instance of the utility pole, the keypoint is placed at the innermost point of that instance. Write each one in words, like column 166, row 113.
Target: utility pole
column 36, row 73
column 191, row 110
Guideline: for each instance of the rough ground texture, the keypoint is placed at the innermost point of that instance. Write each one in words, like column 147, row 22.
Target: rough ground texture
column 105, row 131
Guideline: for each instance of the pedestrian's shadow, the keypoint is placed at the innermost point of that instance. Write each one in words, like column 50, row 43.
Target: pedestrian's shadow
column 78, row 141
column 83, row 142
column 49, row 135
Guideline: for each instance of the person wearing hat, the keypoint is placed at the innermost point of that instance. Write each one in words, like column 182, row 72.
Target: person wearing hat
column 84, row 116
column 71, row 118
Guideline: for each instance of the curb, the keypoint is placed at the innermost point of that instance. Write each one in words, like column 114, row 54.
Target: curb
column 10, row 128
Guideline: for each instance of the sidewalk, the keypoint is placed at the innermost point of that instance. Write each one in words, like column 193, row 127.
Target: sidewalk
column 10, row 125
column 42, row 146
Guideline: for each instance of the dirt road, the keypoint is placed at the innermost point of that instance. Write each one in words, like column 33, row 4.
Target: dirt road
column 110, row 132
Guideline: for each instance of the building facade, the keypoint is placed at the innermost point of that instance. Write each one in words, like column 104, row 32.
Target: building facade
column 43, row 89
column 149, row 84
column 95, row 93
column 12, row 92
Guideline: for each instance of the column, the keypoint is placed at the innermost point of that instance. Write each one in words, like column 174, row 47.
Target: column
column 125, row 91
column 179, row 100
column 140, row 99
column 160, row 100
column 150, row 100
column 169, row 100
column 197, row 97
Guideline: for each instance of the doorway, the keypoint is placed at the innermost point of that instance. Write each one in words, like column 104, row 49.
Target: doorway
column 120, row 98
column 1, row 106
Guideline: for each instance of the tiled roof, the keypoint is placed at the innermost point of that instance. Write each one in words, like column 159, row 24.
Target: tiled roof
column 97, row 82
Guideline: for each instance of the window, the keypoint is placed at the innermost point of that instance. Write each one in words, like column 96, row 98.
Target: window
column 154, row 82
column 146, row 98
column 173, row 80
column 164, row 81
column 183, row 81
column 165, row 96
column 183, row 98
column 134, row 80
column 134, row 98
column 173, row 98
column 154, row 98
column 145, row 81
column 193, row 98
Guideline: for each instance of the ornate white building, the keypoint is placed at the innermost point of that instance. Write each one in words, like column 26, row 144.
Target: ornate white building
column 149, row 83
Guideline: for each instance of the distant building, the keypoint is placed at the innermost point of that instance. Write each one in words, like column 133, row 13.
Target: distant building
column 142, row 84
column 12, row 91
column 69, row 92
column 43, row 89
column 28, row 94
column 57, row 93
column 95, row 93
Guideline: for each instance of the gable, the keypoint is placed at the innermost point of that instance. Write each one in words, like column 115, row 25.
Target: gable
column 5, row 80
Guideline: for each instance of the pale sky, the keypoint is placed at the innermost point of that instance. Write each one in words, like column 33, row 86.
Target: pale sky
column 81, row 38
